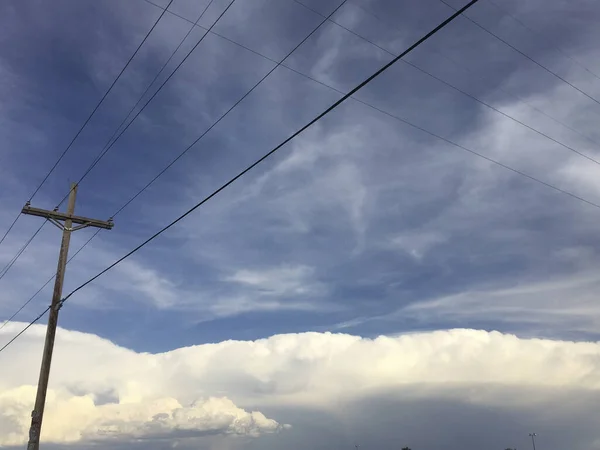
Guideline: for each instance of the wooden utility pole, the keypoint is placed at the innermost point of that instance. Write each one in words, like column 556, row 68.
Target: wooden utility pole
column 65, row 222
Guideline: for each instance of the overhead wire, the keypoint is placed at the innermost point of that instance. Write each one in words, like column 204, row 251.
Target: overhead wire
column 103, row 98
column 320, row 116
column 525, row 55
column 10, row 319
column 14, row 222
column 164, row 10
column 281, row 63
column 29, row 325
column 12, row 262
column 79, row 131
column 166, row 63
column 316, row 119
column 81, row 128
column 280, row 145
column 278, row 64
column 531, row 30
column 226, row 113
column 525, row 102
column 450, row 85
column 173, row 162
column 105, row 150
column 215, row 123
column 500, row 88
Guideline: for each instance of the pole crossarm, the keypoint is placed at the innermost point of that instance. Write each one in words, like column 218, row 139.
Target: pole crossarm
column 56, row 216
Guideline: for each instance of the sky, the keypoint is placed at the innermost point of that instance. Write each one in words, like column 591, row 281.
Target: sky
column 419, row 268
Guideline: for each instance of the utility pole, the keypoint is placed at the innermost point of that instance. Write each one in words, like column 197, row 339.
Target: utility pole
column 533, row 435
column 63, row 221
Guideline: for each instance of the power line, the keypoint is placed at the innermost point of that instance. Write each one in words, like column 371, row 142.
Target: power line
column 24, row 329
column 108, row 142
column 12, row 262
column 523, row 54
column 7, row 321
column 199, row 138
column 215, row 33
column 108, row 147
column 487, row 158
column 101, row 100
column 385, row 50
column 441, row 80
column 517, row 97
column 62, row 155
column 271, row 152
column 157, row 75
column 9, row 229
column 557, row 48
column 281, row 63
column 60, row 158
column 240, row 100
column 320, row 116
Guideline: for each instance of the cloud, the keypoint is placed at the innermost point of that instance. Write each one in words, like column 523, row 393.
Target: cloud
column 148, row 283
column 568, row 303
column 119, row 394
column 417, row 243
column 286, row 280
column 70, row 418
column 287, row 287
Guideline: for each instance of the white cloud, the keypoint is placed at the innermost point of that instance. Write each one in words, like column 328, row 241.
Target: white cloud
column 416, row 243
column 73, row 418
column 568, row 304
column 284, row 280
column 319, row 175
column 232, row 306
column 150, row 284
column 114, row 392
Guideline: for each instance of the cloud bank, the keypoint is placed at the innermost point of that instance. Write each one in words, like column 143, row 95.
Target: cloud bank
column 117, row 395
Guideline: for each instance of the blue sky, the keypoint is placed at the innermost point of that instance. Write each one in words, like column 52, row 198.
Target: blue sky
column 354, row 224
column 363, row 224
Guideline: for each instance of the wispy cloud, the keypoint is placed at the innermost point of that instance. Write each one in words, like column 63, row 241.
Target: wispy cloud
column 280, row 281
